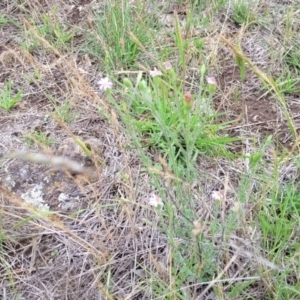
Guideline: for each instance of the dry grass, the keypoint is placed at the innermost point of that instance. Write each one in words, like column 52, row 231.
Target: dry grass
column 100, row 239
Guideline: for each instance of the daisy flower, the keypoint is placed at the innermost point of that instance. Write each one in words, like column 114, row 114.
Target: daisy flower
column 155, row 201
column 167, row 65
column 155, row 73
column 211, row 80
column 105, row 84
column 217, row 195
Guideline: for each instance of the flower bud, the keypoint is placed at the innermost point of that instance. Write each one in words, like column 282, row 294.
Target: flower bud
column 127, row 82
column 203, row 70
column 142, row 85
column 212, row 84
column 188, row 99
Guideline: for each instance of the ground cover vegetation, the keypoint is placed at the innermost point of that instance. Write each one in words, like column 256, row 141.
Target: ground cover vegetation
column 149, row 149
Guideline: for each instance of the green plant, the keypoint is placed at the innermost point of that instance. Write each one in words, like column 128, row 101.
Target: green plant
column 292, row 55
column 83, row 146
column 288, row 83
column 279, row 223
column 290, row 26
column 242, row 66
column 39, row 137
column 180, row 43
column 110, row 41
column 7, row 100
column 179, row 124
column 236, row 95
column 63, row 112
column 3, row 20
column 242, row 12
column 49, row 29
column 161, row 136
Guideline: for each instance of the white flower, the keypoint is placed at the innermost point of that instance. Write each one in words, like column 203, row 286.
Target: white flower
column 217, row 195
column 155, row 201
column 167, row 65
column 105, row 84
column 155, row 72
column 211, row 80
